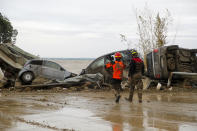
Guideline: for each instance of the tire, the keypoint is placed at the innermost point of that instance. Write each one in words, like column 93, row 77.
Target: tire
column 172, row 47
column 27, row 78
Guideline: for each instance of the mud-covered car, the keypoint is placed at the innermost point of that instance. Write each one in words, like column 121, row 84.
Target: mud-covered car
column 44, row 68
column 171, row 61
column 98, row 65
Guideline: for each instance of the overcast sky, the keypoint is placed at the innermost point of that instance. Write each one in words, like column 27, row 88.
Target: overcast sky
column 90, row 28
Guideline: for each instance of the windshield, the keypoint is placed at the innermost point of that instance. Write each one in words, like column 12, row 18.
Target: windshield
column 97, row 63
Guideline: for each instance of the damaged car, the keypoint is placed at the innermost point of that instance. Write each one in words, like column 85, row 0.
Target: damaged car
column 42, row 68
column 171, row 62
column 98, row 65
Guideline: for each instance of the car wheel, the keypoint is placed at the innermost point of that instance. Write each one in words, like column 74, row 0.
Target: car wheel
column 27, row 78
column 172, row 47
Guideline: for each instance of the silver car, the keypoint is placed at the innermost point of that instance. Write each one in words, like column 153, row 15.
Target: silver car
column 44, row 68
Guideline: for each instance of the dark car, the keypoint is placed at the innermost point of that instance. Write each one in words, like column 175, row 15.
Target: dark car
column 44, row 68
column 98, row 65
column 163, row 62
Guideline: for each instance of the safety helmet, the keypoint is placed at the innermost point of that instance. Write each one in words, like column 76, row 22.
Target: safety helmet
column 134, row 52
column 118, row 55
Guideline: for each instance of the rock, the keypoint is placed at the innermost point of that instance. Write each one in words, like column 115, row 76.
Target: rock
column 11, row 88
column 58, row 88
column 73, row 88
column 27, row 89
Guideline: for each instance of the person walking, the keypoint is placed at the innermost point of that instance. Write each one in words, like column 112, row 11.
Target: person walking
column 136, row 70
column 117, row 67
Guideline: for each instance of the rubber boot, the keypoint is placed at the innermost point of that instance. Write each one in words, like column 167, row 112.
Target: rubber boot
column 140, row 97
column 117, row 98
column 130, row 98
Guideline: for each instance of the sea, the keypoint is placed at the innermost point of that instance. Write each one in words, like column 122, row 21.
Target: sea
column 74, row 65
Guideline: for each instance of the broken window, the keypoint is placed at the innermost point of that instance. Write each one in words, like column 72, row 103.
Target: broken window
column 98, row 63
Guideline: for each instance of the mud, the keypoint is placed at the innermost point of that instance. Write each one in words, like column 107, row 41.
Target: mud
column 97, row 111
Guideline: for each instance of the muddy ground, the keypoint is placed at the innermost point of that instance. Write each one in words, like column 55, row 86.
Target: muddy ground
column 97, row 111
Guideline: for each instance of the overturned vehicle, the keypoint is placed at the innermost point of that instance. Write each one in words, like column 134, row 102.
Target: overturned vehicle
column 171, row 63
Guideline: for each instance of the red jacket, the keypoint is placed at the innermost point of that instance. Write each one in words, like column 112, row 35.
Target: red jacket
column 118, row 67
column 136, row 65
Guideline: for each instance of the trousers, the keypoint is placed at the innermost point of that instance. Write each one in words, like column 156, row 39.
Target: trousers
column 116, row 83
column 136, row 80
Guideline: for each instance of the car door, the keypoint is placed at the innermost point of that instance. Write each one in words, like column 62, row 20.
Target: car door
column 52, row 70
column 35, row 66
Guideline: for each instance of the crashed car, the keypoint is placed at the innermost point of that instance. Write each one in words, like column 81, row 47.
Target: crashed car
column 44, row 68
column 98, row 65
column 171, row 62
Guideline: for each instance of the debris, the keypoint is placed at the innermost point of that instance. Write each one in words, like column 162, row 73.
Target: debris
column 159, row 86
column 146, row 83
column 12, row 60
column 70, row 82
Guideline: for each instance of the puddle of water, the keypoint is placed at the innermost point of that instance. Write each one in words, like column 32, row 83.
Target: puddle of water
column 97, row 111
column 21, row 126
column 71, row 118
column 184, row 127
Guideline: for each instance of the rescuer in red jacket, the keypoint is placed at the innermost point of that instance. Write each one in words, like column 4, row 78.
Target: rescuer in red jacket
column 118, row 67
column 136, row 70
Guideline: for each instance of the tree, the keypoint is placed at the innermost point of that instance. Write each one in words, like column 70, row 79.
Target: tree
column 152, row 30
column 7, row 33
column 14, row 34
column 125, row 41
column 161, row 29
